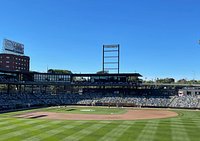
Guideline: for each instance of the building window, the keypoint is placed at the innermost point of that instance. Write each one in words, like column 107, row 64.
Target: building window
column 7, row 57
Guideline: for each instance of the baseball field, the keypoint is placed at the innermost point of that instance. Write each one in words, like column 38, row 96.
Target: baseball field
column 84, row 124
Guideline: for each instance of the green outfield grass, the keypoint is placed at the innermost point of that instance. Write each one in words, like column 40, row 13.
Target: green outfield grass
column 185, row 127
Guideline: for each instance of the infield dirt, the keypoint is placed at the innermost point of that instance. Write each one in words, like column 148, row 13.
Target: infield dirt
column 129, row 115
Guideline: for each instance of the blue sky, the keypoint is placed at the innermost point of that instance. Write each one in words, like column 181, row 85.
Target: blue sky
column 158, row 38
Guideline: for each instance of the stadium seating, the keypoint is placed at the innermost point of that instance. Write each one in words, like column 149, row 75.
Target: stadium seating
column 186, row 101
column 25, row 100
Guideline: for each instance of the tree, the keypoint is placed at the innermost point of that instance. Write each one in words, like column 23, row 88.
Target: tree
column 148, row 81
column 193, row 81
column 102, row 72
column 182, row 81
column 165, row 80
column 58, row 71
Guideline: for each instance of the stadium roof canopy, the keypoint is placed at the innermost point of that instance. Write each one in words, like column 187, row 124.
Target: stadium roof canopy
column 80, row 74
column 109, row 74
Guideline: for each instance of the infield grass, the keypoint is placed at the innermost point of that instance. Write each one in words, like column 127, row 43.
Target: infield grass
column 185, row 127
column 86, row 110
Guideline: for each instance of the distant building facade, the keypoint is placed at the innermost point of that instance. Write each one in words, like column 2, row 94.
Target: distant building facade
column 14, row 62
column 12, row 58
column 189, row 91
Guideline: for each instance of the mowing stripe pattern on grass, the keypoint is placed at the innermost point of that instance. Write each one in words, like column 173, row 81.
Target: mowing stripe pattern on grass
column 149, row 131
column 178, row 130
column 52, row 132
column 183, row 128
column 84, row 132
column 115, row 133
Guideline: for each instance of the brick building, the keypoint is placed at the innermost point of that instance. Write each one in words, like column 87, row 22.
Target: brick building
column 14, row 62
column 12, row 58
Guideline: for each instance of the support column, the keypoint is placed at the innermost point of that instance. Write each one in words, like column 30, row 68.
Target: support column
column 8, row 88
column 20, row 88
column 45, row 89
column 32, row 89
column 24, row 88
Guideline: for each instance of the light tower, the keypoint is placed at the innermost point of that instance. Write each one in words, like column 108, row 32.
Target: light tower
column 111, row 54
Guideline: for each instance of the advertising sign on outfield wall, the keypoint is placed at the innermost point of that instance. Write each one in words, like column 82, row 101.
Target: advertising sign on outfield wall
column 12, row 46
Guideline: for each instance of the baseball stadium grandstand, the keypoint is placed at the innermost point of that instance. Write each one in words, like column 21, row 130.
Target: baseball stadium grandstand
column 31, row 89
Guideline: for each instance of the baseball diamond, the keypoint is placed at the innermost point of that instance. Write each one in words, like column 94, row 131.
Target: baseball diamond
column 30, row 125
